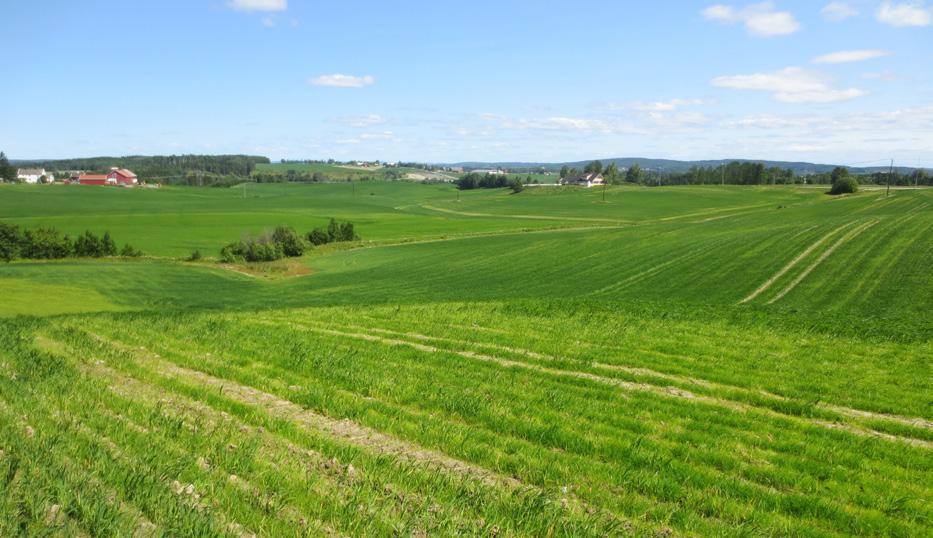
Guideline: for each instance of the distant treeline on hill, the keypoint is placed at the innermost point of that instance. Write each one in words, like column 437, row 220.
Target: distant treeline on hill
column 169, row 169
column 741, row 173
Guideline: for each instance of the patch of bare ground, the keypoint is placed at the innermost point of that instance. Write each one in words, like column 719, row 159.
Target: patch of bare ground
column 276, row 270
column 628, row 385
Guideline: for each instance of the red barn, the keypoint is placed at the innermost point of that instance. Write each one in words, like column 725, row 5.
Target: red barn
column 93, row 179
column 122, row 176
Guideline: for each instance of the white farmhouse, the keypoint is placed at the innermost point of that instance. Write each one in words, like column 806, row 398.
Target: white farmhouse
column 33, row 175
column 584, row 180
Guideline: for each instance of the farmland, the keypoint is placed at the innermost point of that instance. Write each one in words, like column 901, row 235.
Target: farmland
column 717, row 361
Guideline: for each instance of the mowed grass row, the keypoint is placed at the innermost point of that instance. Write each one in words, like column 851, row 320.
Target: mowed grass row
column 882, row 377
column 171, row 456
column 670, row 461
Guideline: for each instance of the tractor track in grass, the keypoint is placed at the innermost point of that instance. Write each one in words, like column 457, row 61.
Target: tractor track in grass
column 348, row 431
column 662, row 390
column 826, row 254
column 525, row 217
column 806, row 252
column 916, row 422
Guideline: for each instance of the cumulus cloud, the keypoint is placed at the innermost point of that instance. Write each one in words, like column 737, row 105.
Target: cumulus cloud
column 838, row 11
column 338, row 80
column 258, row 5
column 904, row 14
column 760, row 19
column 846, row 56
column 789, row 85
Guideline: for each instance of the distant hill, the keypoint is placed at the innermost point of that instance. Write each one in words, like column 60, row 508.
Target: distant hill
column 669, row 165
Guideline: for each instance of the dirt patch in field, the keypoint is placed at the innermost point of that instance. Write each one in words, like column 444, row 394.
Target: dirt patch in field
column 277, row 270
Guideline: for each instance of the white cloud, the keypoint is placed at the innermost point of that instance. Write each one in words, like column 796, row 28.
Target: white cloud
column 258, row 5
column 268, row 22
column 904, row 14
column 789, row 85
column 363, row 121
column 561, row 122
column 338, row 80
column 385, row 135
column 838, row 11
column 759, row 19
column 663, row 106
column 846, row 56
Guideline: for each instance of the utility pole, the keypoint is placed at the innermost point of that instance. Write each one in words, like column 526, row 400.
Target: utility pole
column 722, row 166
column 890, row 173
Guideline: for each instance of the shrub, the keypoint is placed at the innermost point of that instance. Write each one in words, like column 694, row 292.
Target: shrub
column 46, row 244
column 195, row 256
column 129, row 252
column 252, row 249
column 88, row 245
column 346, row 232
column 107, row 246
column 317, row 237
column 844, row 185
column 288, row 239
column 516, row 186
column 11, row 240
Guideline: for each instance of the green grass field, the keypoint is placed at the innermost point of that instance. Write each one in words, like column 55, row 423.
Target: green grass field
column 713, row 361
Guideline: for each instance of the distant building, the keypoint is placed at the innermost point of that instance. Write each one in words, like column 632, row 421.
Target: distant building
column 94, row 179
column 33, row 175
column 122, row 176
column 490, row 172
column 584, row 180
column 117, row 176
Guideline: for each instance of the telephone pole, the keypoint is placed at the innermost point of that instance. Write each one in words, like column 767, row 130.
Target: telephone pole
column 890, row 173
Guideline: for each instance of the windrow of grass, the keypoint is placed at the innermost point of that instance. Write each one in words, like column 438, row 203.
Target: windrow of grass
column 675, row 462
column 243, row 468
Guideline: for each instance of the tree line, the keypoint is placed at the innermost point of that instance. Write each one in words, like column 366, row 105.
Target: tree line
column 283, row 242
column 740, row 173
column 170, row 169
column 50, row 244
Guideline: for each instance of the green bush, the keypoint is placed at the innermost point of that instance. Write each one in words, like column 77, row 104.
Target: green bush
column 11, row 240
column 129, row 252
column 46, row 244
column 288, row 239
column 334, row 233
column 844, row 185
column 317, row 237
column 195, row 256
column 88, row 245
column 252, row 249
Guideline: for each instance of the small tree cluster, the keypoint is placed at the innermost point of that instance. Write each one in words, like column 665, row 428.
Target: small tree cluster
column 284, row 241
column 335, row 232
column 252, row 249
column 51, row 244
column 843, row 183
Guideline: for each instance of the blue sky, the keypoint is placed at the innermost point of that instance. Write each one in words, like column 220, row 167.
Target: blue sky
column 843, row 82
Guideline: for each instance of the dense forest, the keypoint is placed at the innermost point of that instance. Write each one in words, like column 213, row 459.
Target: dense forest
column 170, row 169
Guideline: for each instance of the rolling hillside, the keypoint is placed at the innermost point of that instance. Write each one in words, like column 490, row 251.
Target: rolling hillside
column 718, row 361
